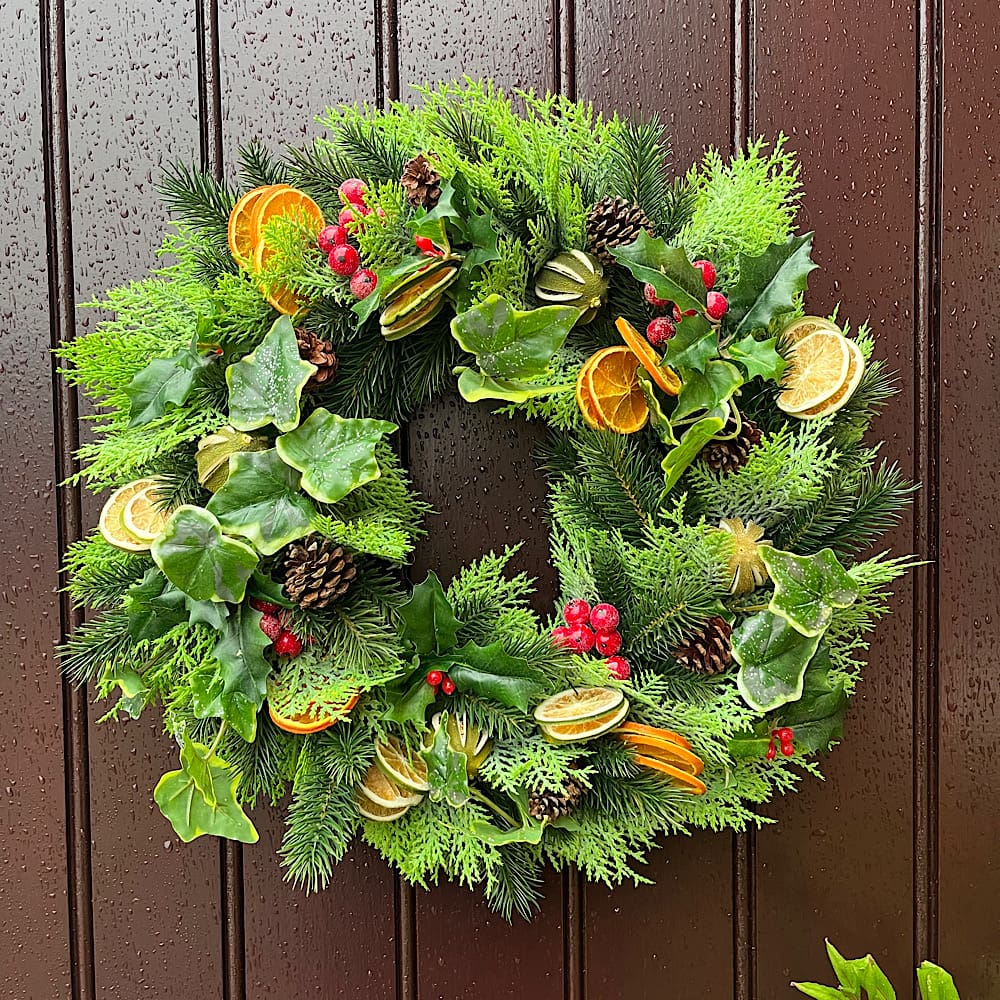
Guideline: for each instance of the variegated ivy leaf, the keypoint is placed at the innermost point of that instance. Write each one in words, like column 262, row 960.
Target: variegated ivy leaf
column 773, row 658
column 808, row 589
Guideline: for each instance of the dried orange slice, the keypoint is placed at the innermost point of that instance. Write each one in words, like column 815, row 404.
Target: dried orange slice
column 613, row 381
column 585, row 401
column 652, row 746
column 637, row 728
column 686, row 781
column 242, row 235
column 308, row 722
column 281, row 297
column 663, row 375
column 855, row 369
column 288, row 201
column 817, row 369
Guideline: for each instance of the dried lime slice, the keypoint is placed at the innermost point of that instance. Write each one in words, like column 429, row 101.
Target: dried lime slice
column 112, row 521
column 384, row 792
column 817, row 369
column 380, row 814
column 577, row 704
column 800, row 328
column 855, row 369
column 586, row 729
column 400, row 767
column 142, row 517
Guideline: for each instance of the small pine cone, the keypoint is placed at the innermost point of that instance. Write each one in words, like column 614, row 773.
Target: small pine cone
column 317, row 572
column 709, row 651
column 614, row 222
column 730, row 454
column 319, row 353
column 421, row 182
column 552, row 805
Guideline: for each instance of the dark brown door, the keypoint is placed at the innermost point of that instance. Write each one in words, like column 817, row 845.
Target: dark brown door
column 893, row 109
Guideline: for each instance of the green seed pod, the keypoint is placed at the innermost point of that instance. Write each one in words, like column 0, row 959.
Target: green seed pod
column 573, row 278
column 214, row 451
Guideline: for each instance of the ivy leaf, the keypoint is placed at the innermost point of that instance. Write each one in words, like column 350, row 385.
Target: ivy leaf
column 200, row 798
column 935, row 983
column 709, row 390
column 446, row 768
column 335, row 455
column 195, row 556
column 808, row 589
column 677, row 460
column 667, row 269
column 265, row 387
column 773, row 658
column 694, row 345
column 758, row 357
column 508, row 343
column 429, row 622
column 154, row 607
column 163, row 383
column 490, row 672
column 474, row 386
column 261, row 501
column 411, row 705
column 768, row 285
column 817, row 991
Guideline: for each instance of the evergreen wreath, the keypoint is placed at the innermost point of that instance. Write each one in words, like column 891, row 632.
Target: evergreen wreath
column 711, row 501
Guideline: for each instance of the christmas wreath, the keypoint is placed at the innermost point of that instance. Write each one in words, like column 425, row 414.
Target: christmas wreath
column 711, row 495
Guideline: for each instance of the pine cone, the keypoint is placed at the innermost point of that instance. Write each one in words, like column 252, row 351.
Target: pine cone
column 319, row 353
column 730, row 454
column 614, row 222
column 552, row 805
column 422, row 183
column 317, row 572
column 708, row 651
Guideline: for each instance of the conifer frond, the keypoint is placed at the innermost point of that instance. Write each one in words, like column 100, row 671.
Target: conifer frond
column 95, row 644
column 259, row 166
column 514, row 883
column 266, row 765
column 196, row 199
column 100, row 574
column 637, row 168
column 681, row 201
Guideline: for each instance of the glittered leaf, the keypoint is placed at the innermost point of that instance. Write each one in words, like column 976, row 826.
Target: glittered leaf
column 154, row 607
column 335, row 455
column 758, row 357
column 773, row 658
column 808, row 589
column 162, row 384
column 490, row 672
column 684, row 453
column 261, row 501
column 196, row 557
column 265, row 387
column 475, row 386
column 200, row 798
column 706, row 391
column 666, row 268
column 447, row 772
column 429, row 622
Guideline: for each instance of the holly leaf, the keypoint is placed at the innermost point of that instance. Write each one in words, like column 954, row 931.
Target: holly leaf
column 446, row 768
column 195, row 556
column 162, row 384
column 490, row 672
column 706, row 391
column 667, row 269
column 694, row 345
column 935, row 983
column 758, row 357
column 808, row 589
column 261, row 501
column 335, row 455
column 429, row 622
column 475, row 386
column 200, row 798
column 773, row 658
column 677, row 460
column 263, row 588
column 768, row 285
column 508, row 343
column 154, row 606
column 411, row 704
column 265, row 387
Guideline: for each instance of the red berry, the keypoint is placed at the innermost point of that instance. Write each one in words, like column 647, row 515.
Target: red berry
column 649, row 293
column 604, row 617
column 434, row 678
column 771, row 752
column 582, row 638
column 351, row 212
column 288, row 644
column 344, row 259
column 707, row 269
column 608, row 643
column 788, row 749
column 353, row 190
column 331, row 236
column 716, row 305
column 447, row 685
column 264, row 607
column 270, row 625
column 618, row 667
column 577, row 612
column 363, row 283
column 561, row 636
column 785, row 735
column 660, row 330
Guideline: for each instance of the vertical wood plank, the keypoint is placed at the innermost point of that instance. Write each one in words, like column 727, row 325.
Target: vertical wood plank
column 133, row 101
column 840, row 80
column 970, row 580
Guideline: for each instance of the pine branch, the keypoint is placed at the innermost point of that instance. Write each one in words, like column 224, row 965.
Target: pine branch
column 259, row 166
column 198, row 200
column 637, row 168
column 514, row 885
column 266, row 765
column 95, row 644
column 679, row 207
column 100, row 574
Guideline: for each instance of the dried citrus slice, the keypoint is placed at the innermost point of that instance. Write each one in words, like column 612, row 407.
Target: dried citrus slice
column 585, row 401
column 401, row 767
column 663, row 375
column 817, row 368
column 639, row 729
column 800, row 328
column 577, row 704
column 112, row 523
column 283, row 299
column 661, row 749
column 616, row 391
column 287, row 201
column 855, row 369
column 687, row 781
column 380, row 814
column 309, row 722
column 142, row 517
column 242, row 235
column 586, row 729
column 384, row 792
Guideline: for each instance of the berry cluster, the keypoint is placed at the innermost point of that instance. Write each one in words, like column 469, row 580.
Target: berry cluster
column 436, row 679
column 595, row 629
column 284, row 642
column 343, row 258
column 785, row 737
column 663, row 328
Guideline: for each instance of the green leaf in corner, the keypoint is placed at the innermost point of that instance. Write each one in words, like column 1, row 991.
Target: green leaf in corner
column 265, row 387
column 935, row 983
column 677, row 460
column 490, row 672
column 758, row 357
column 817, row 991
column 489, row 833
column 195, row 556
column 861, row 977
column 335, row 455
column 508, row 343
column 154, row 607
column 429, row 622
column 163, row 383
column 475, row 386
column 773, row 658
column 667, row 269
column 447, row 774
column 708, row 390
column 200, row 798
column 808, row 589
column 261, row 501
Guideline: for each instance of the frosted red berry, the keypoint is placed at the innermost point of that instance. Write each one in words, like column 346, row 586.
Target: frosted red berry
column 707, row 269
column 771, row 752
column 270, row 625
column 660, row 330
column 785, row 735
column 582, row 638
column 434, row 677
column 679, row 315
column 363, row 283
column 331, row 236
column 426, row 246
column 604, row 617
column 288, row 644
column 649, row 293
column 264, row 607
column 447, row 685
column 561, row 636
column 349, row 213
column 619, row 668
column 788, row 749
column 608, row 643
column 344, row 260
column 576, row 612
column 353, row 190
column 716, row 305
